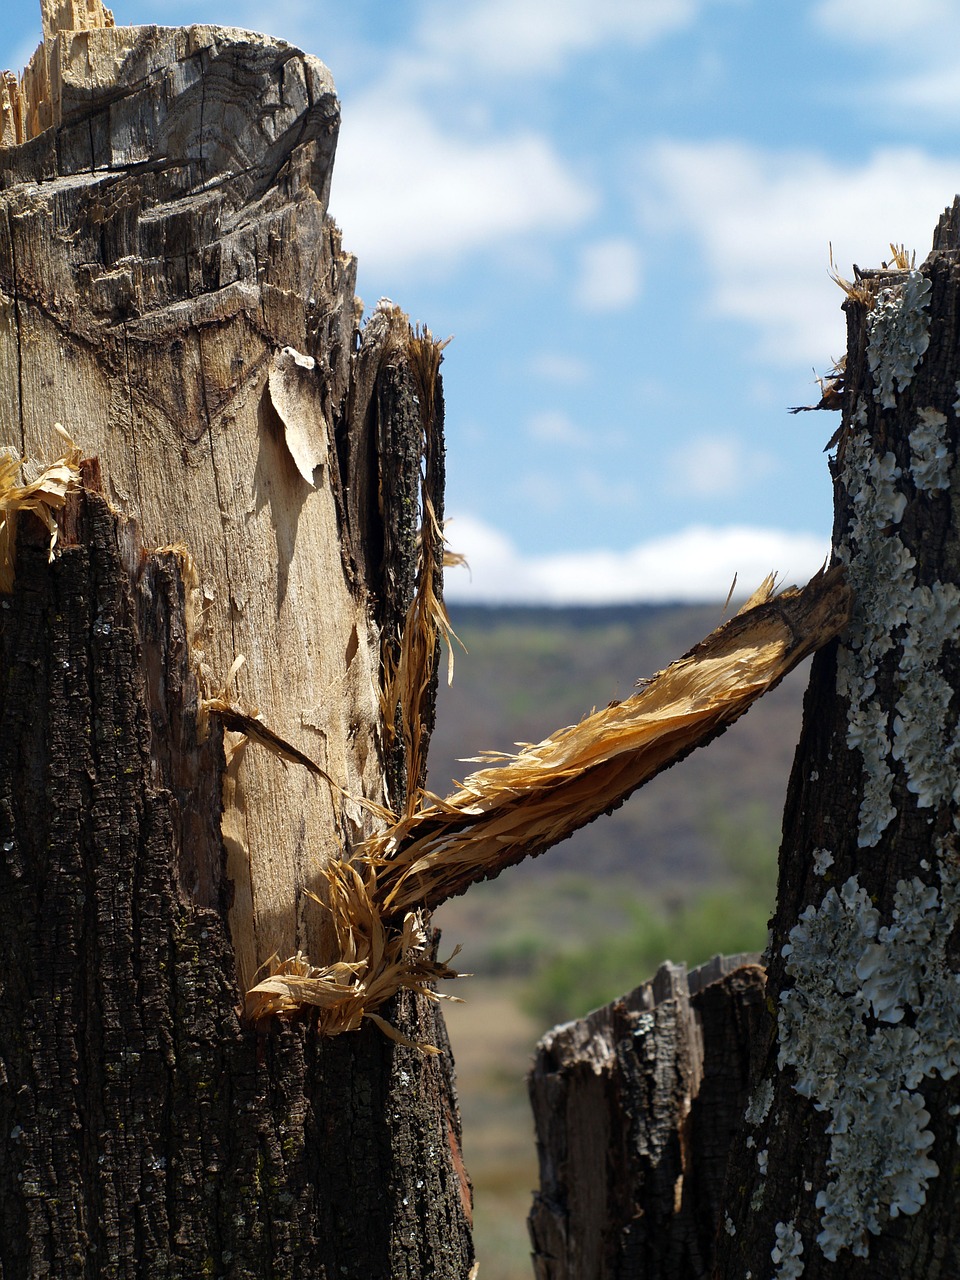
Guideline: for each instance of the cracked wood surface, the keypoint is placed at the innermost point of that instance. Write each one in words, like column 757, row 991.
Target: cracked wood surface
column 173, row 292
column 635, row 1107
column 158, row 250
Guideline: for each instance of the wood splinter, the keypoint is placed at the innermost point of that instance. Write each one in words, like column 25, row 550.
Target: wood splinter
column 530, row 801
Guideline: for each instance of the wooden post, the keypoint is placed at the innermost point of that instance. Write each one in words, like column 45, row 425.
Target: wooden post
column 635, row 1107
column 844, row 1148
column 173, row 292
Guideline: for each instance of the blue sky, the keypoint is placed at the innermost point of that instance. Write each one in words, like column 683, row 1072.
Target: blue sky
column 622, row 210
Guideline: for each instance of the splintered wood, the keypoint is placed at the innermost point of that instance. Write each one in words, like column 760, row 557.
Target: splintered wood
column 195, row 325
column 31, row 103
column 41, row 496
column 533, row 800
column 539, row 797
column 164, row 239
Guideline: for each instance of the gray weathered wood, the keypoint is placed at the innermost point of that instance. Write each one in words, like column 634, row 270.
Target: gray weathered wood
column 635, row 1107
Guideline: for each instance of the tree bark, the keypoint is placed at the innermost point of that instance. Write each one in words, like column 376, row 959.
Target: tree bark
column 843, row 1151
column 635, row 1107
column 174, row 293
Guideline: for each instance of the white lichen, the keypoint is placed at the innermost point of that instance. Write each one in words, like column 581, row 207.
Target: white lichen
column 822, row 861
column 892, row 610
column 924, row 738
column 841, row 1026
column 898, row 335
column 729, row 1226
column 787, row 1252
column 762, row 1160
column 874, row 1009
column 881, row 572
column 930, row 456
column 758, row 1108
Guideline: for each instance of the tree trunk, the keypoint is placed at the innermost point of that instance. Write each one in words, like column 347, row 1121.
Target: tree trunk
column 173, row 292
column 844, row 1151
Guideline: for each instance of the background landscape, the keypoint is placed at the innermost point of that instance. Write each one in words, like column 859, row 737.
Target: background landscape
column 684, row 869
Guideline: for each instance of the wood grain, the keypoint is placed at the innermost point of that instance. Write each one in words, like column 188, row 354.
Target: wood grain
column 158, row 251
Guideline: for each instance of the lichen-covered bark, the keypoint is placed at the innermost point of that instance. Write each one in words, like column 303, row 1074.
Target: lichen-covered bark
column 840, row 1146
column 863, row 1043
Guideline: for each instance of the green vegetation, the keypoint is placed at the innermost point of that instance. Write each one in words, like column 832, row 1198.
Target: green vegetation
column 684, row 869
column 729, row 918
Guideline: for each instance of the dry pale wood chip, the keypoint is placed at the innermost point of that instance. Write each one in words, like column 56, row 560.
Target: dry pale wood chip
column 375, row 962
column 42, row 496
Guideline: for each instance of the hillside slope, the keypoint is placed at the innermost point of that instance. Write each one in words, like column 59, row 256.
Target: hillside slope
column 529, row 671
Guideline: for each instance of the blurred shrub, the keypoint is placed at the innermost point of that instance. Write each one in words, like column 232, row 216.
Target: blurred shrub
column 609, row 962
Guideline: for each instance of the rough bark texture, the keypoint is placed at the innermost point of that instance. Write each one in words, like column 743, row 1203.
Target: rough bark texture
column 845, row 1152
column 159, row 246
column 867, row 998
column 635, row 1108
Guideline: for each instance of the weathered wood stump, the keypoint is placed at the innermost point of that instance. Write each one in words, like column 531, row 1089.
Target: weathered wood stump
column 174, row 293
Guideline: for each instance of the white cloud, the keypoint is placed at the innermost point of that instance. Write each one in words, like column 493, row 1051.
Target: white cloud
column 713, row 466
column 932, row 91
column 538, row 492
column 608, row 491
column 540, row 36
column 921, row 70
column 762, row 221
column 610, row 275
column 696, row 564
column 560, row 367
column 882, row 22
column 407, row 192
column 554, row 427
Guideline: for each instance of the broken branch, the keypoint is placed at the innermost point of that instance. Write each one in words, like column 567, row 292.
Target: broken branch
column 542, row 795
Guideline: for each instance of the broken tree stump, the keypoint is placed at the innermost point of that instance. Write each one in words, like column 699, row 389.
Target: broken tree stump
column 635, row 1107
column 174, row 293
column 844, row 1150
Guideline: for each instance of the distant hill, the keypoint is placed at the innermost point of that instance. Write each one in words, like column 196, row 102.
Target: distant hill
column 528, row 671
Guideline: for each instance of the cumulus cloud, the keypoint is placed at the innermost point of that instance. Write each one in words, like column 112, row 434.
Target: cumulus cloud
column 559, row 367
column 698, row 563
column 424, row 177
column 714, row 466
column 933, row 91
column 762, row 221
column 610, row 275
column 881, row 22
column 916, row 66
column 410, row 192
